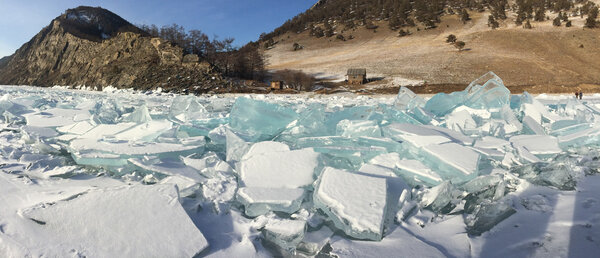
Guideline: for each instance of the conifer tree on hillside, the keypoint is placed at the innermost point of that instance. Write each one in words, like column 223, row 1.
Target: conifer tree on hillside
column 556, row 21
column 590, row 22
column 398, row 14
column 451, row 38
column 492, row 22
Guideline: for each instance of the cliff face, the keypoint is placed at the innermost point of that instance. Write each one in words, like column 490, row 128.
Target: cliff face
column 94, row 47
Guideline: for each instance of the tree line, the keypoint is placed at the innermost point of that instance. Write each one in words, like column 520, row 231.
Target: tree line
column 348, row 14
column 244, row 62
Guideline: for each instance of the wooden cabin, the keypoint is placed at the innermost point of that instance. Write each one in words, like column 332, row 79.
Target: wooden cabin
column 357, row 76
column 277, row 85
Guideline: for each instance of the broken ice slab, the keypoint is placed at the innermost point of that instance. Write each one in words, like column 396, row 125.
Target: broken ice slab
column 314, row 241
column 407, row 100
column 6, row 105
column 145, row 131
column 482, row 80
column 357, row 128
column 102, row 130
column 413, row 171
column 310, row 123
column 77, row 128
column 453, row 161
column 441, row 104
column 259, row 201
column 355, row 203
column 513, row 125
column 352, row 113
column 285, row 233
column 113, row 234
column 273, row 165
column 421, row 135
column 543, row 146
column 107, row 111
column 129, row 149
column 235, row 146
column 423, row 116
column 558, row 175
column 388, row 114
column 590, row 136
column 460, row 120
column 487, row 92
column 184, row 109
column 209, row 165
column 139, row 115
column 488, row 187
column 488, row 215
column 566, row 127
column 439, row 198
column 101, row 159
column 260, row 120
column 530, row 126
column 353, row 150
column 187, row 187
column 170, row 167
column 56, row 117
column 489, row 142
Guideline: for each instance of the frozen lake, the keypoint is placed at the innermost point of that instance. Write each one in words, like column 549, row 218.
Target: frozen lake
column 478, row 173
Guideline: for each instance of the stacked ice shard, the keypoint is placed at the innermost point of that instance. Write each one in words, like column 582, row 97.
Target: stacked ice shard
column 309, row 167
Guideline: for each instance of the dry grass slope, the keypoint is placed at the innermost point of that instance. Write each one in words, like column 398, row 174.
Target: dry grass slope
column 544, row 59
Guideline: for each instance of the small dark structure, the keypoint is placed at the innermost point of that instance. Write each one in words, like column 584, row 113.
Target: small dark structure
column 357, row 76
column 277, row 85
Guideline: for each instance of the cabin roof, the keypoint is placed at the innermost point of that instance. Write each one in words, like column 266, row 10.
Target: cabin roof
column 357, row 71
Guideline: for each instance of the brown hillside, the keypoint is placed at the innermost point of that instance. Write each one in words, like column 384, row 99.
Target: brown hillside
column 545, row 56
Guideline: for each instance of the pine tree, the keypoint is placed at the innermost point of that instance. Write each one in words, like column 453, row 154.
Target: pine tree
column 459, row 45
column 464, row 16
column 556, row 21
column 492, row 22
column 590, row 22
column 451, row 38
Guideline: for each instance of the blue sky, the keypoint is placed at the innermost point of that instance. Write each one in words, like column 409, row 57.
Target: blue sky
column 243, row 20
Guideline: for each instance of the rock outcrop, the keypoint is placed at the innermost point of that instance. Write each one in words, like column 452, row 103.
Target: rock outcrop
column 95, row 47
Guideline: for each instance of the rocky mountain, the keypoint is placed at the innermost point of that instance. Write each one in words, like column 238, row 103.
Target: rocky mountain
column 405, row 42
column 95, row 47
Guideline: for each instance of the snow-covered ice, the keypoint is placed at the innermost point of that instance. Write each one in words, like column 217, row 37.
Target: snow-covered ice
column 476, row 173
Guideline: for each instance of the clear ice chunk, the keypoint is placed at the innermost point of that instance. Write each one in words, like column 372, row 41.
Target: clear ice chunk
column 139, row 115
column 487, row 92
column 259, row 201
column 441, row 104
column 413, row 171
column 184, row 109
column 539, row 145
column 355, row 203
column 357, row 128
column 107, row 111
column 455, row 162
column 260, row 120
column 439, row 198
column 530, row 126
column 558, row 175
column 236, row 146
column 407, row 100
column 488, row 215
